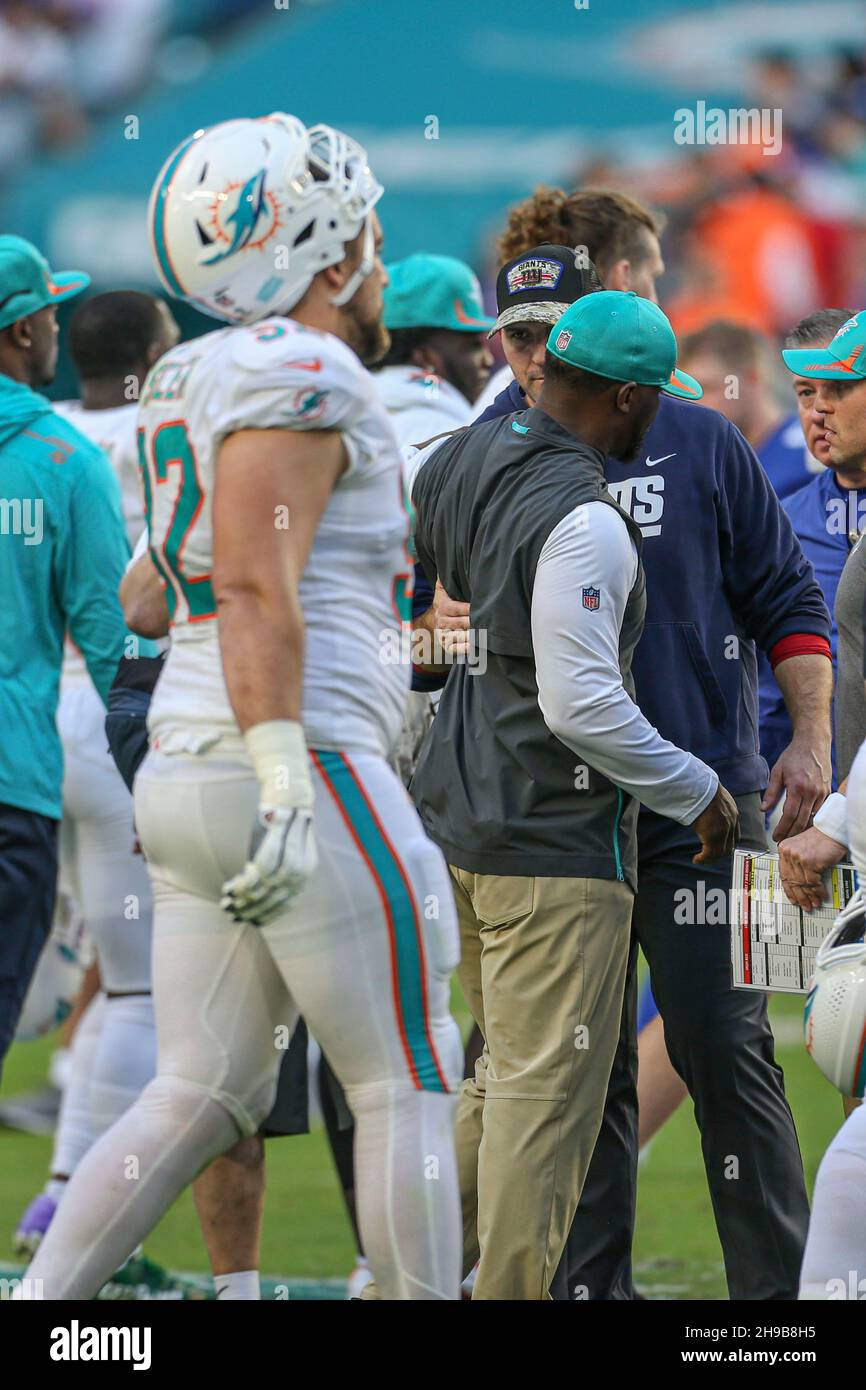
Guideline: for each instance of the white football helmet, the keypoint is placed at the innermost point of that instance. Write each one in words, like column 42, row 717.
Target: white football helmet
column 835, row 1017
column 245, row 213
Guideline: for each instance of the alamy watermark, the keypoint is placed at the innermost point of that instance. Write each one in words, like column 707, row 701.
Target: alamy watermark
column 737, row 126
column 404, row 646
column 22, row 516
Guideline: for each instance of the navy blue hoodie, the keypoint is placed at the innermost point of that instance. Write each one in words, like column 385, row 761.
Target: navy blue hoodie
column 724, row 573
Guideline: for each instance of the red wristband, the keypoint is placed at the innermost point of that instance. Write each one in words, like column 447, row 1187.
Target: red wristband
column 799, row 644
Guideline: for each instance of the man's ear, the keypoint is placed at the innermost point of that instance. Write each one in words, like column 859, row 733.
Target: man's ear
column 619, row 276
column 21, row 333
column 335, row 276
column 625, row 397
column 427, row 358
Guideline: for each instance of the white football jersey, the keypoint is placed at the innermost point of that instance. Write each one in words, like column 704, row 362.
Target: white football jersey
column 356, row 589
column 114, row 430
column 420, row 404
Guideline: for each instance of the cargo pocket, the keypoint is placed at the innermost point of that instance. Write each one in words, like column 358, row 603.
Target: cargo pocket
column 498, row 900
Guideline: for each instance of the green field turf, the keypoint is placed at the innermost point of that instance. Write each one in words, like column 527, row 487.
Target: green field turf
column 305, row 1230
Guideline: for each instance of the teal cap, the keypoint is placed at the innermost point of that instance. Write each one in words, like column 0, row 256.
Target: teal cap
column 434, row 292
column 27, row 283
column 843, row 359
column 621, row 336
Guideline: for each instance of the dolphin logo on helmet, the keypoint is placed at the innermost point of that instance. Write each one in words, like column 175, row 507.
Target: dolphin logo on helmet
column 251, row 204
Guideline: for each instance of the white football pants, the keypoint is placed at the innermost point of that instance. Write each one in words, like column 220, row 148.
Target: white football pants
column 109, row 883
column 834, row 1262
column 365, row 953
column 112, row 888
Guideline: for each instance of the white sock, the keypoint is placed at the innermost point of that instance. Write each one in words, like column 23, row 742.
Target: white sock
column 55, row 1188
column 74, row 1129
column 236, row 1287
column 125, row 1058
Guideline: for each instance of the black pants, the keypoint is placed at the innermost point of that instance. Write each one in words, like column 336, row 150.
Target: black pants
column 28, row 885
column 719, row 1041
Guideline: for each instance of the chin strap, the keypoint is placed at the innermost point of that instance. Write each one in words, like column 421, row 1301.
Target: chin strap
column 357, row 278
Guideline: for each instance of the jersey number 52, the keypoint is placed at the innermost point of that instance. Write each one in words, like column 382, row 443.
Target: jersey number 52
column 168, row 449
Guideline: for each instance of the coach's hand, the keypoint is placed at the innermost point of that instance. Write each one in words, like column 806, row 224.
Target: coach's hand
column 802, row 862
column 282, row 857
column 451, row 622
column 717, row 827
column 802, row 772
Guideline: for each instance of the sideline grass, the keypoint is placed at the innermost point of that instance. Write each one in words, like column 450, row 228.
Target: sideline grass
column 306, row 1234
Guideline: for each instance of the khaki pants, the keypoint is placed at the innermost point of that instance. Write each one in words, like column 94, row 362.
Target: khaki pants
column 543, row 972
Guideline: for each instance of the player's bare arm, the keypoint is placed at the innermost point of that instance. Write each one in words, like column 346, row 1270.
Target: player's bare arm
column 258, row 564
column 142, row 597
column 257, row 569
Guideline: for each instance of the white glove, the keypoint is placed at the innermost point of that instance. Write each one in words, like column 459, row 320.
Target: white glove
column 282, row 857
column 283, row 847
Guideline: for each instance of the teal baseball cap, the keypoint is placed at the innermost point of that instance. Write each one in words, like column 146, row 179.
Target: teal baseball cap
column 617, row 334
column 434, row 292
column 27, row 283
column 843, row 359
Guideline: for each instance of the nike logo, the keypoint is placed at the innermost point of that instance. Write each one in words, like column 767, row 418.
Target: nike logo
column 651, row 463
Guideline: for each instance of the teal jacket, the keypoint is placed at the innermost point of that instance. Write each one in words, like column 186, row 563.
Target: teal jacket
column 63, row 553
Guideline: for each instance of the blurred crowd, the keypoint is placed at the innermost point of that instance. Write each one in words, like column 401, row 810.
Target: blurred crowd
column 64, row 62
column 763, row 239
column 753, row 238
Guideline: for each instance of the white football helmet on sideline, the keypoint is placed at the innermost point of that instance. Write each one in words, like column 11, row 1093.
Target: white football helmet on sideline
column 244, row 214
column 835, row 1017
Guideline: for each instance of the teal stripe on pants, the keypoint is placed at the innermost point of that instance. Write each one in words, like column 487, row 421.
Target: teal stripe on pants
column 404, row 925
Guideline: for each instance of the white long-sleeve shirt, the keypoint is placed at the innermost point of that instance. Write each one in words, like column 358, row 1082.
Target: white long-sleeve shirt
column 575, row 636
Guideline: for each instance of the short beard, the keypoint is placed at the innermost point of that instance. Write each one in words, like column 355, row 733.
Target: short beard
column 856, row 463
column 40, row 375
column 370, row 340
column 632, row 453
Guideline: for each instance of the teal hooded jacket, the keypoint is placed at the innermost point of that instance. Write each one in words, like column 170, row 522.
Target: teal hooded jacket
column 63, row 553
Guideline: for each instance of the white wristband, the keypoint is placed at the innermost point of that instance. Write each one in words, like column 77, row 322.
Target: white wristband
column 278, row 751
column 832, row 818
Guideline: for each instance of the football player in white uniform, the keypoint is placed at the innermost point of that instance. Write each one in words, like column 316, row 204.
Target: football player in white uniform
column 834, row 1261
column 114, row 340
column 439, row 361
column 277, row 523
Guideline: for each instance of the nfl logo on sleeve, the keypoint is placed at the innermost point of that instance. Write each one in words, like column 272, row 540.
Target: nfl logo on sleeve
column 591, row 598
column 562, row 342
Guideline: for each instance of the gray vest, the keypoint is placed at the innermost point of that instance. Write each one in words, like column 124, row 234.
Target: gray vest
column 496, row 790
